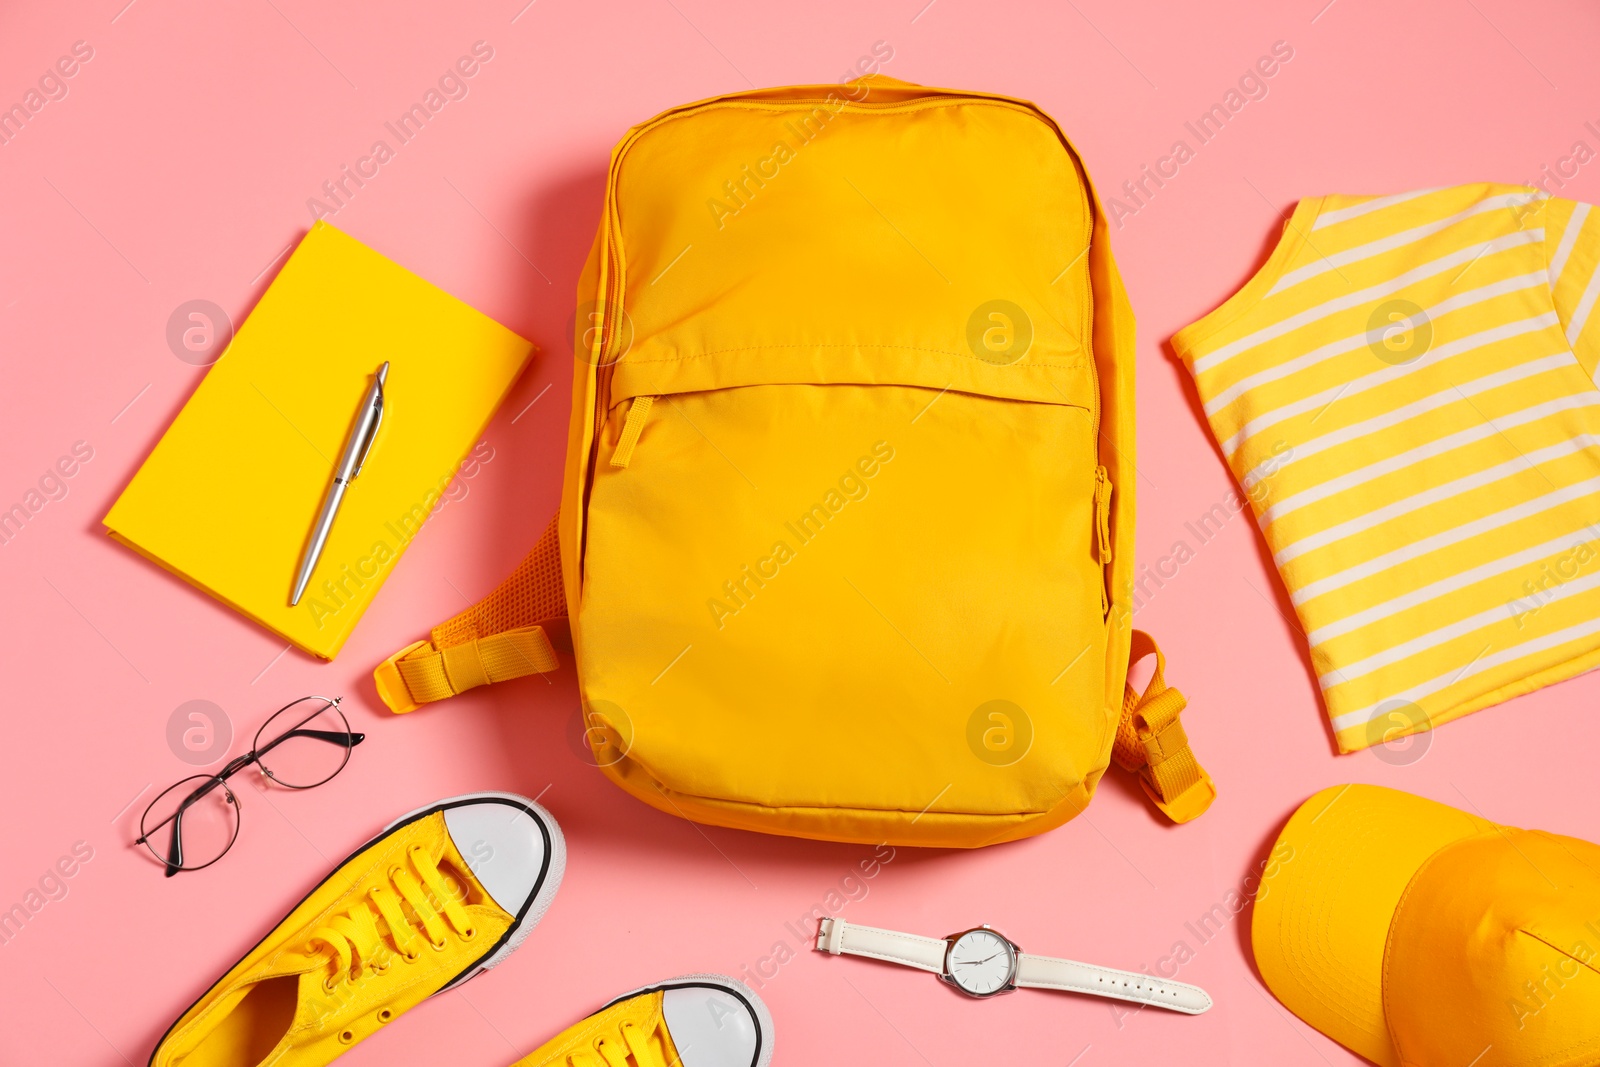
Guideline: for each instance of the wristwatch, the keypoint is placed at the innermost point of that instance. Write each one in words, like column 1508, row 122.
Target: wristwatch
column 982, row 963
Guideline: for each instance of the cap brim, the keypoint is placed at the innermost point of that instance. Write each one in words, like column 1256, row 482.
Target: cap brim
column 1322, row 918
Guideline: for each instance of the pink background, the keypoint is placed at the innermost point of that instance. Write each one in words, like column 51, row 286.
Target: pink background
column 178, row 167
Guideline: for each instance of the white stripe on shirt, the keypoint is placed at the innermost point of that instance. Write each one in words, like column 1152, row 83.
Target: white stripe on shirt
column 1393, row 241
column 1478, row 666
column 1405, row 413
column 1373, row 292
column 1580, row 314
column 1444, row 539
column 1339, row 348
column 1448, row 443
column 1411, row 503
column 1384, row 376
column 1435, row 638
column 1434, row 590
column 1333, row 217
column 1569, row 237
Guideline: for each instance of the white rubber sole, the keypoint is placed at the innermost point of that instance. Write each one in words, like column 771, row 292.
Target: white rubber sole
column 730, row 985
column 535, row 909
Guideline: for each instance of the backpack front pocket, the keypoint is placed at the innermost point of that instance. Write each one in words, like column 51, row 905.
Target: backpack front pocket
column 859, row 596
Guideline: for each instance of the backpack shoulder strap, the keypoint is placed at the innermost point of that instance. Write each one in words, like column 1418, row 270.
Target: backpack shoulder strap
column 514, row 631
column 1151, row 741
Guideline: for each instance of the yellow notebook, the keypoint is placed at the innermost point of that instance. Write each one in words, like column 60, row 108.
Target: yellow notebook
column 228, row 497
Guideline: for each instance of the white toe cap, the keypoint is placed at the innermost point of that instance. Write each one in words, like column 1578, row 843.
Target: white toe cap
column 712, row 1027
column 504, row 844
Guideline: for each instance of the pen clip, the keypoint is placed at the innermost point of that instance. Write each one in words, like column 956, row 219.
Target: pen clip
column 378, row 404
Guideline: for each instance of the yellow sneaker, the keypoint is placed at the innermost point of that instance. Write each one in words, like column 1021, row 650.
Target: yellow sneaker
column 701, row 1020
column 441, row 895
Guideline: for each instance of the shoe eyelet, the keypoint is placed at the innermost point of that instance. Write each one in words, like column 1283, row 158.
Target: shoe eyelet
column 469, row 933
column 412, row 956
column 328, row 985
column 385, row 1015
column 439, row 946
column 346, row 1036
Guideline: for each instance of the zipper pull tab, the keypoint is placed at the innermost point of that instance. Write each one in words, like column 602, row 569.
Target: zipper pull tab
column 632, row 427
column 1102, row 531
column 1102, row 512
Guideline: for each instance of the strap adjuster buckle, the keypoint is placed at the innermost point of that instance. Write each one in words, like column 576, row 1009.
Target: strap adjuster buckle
column 392, row 689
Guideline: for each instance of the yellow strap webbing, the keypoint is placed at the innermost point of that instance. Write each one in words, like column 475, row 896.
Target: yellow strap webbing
column 1151, row 741
column 505, row 635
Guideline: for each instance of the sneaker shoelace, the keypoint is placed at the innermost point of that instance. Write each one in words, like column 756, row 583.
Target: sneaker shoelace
column 358, row 946
column 609, row 1052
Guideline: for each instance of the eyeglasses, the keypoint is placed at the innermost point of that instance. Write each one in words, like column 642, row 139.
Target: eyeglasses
column 304, row 744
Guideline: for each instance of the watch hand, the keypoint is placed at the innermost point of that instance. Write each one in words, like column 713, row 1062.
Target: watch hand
column 974, row 963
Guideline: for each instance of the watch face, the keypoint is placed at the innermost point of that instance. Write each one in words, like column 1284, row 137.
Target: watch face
column 981, row 963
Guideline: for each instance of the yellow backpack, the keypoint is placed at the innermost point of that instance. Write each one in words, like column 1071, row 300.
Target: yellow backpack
column 839, row 553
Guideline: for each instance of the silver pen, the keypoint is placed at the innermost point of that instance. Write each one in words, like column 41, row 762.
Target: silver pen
column 356, row 447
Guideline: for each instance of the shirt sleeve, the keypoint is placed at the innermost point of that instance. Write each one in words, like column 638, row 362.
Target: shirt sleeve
column 1572, row 255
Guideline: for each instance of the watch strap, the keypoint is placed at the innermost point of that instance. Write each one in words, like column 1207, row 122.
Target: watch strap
column 835, row 936
column 1043, row 972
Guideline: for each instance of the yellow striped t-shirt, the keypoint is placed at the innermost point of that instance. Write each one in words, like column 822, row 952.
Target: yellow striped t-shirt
column 1407, row 391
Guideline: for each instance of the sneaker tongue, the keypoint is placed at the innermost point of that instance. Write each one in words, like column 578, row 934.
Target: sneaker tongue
column 453, row 882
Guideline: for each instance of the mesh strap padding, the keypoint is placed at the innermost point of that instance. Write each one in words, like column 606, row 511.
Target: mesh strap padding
column 533, row 594
column 505, row 635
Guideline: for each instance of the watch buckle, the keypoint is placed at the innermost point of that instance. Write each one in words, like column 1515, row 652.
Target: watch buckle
column 830, row 936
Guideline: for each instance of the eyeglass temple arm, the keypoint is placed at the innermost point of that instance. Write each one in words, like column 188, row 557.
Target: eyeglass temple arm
column 175, row 846
column 333, row 737
column 199, row 792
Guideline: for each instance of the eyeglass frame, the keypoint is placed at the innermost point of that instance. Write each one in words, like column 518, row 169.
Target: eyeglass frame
column 348, row 741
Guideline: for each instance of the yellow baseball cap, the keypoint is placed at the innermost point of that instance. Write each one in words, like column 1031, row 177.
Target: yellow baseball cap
column 1418, row 935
